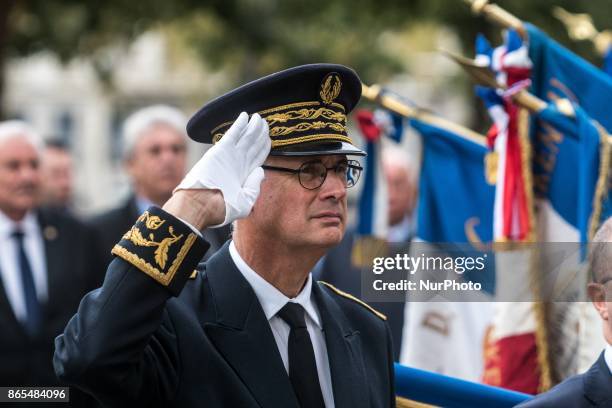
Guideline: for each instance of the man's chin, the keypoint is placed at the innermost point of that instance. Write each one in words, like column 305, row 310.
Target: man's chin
column 167, row 183
column 164, row 191
column 26, row 202
column 332, row 236
column 23, row 206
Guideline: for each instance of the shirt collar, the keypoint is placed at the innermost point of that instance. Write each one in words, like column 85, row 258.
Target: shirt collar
column 402, row 231
column 28, row 225
column 271, row 299
column 143, row 203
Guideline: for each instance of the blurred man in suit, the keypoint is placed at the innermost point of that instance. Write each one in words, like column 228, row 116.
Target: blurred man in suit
column 154, row 149
column 338, row 268
column 593, row 388
column 401, row 191
column 57, row 176
column 47, row 263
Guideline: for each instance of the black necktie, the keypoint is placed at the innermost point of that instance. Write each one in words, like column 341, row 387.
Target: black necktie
column 302, row 365
column 32, row 323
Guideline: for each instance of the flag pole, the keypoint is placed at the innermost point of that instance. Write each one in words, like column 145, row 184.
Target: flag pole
column 375, row 94
column 498, row 15
column 482, row 75
column 580, row 27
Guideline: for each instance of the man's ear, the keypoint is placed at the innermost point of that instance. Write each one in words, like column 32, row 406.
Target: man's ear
column 597, row 294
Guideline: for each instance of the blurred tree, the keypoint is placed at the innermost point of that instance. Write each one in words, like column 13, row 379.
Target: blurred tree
column 248, row 38
column 5, row 10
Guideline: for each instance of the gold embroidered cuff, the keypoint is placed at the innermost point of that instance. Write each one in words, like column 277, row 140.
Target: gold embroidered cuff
column 163, row 247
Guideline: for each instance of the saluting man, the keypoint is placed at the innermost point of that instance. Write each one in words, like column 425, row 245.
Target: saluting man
column 249, row 328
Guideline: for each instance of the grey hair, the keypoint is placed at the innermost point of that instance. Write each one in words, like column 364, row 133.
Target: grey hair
column 394, row 154
column 17, row 128
column 600, row 255
column 142, row 120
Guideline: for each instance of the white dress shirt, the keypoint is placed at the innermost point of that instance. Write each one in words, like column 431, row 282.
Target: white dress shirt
column 402, row 231
column 143, row 204
column 608, row 357
column 9, row 261
column 272, row 300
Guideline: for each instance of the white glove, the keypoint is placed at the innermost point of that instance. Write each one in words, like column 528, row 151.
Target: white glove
column 233, row 165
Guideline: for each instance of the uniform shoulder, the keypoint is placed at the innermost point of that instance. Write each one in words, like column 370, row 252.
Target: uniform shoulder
column 351, row 299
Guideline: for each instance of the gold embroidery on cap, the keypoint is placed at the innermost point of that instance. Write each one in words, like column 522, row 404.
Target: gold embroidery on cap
column 330, row 88
column 307, row 114
column 264, row 113
column 297, row 105
column 311, row 114
column 304, row 139
column 278, row 131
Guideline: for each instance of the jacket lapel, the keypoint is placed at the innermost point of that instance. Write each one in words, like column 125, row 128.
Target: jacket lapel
column 241, row 333
column 344, row 351
column 5, row 305
column 131, row 210
column 598, row 383
column 53, row 256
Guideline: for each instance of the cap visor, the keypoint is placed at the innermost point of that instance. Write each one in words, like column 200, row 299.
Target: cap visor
column 319, row 150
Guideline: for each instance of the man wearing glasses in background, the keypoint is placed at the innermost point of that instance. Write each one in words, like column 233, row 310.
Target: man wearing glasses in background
column 593, row 388
column 249, row 328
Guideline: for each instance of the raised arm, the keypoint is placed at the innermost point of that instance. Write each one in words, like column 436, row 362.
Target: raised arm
column 121, row 344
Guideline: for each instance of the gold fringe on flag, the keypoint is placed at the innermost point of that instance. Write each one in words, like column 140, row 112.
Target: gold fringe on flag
column 401, row 402
column 539, row 308
column 601, row 189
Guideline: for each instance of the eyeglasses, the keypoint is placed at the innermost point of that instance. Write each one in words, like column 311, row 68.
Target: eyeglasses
column 312, row 174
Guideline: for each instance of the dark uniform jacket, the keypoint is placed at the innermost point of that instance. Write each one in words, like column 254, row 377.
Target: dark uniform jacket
column 591, row 389
column 338, row 269
column 212, row 346
column 71, row 272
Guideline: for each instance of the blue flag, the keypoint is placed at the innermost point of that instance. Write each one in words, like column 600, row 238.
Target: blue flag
column 455, row 200
column 586, row 175
column 555, row 67
column 568, row 145
column 607, row 66
column 367, row 208
column 454, row 216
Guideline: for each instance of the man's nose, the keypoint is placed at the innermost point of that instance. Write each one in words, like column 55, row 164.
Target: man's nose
column 29, row 172
column 168, row 154
column 334, row 186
